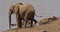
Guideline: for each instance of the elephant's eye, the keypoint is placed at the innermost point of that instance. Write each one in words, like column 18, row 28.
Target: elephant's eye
column 10, row 9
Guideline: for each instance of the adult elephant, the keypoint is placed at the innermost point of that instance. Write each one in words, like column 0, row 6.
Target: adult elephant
column 23, row 12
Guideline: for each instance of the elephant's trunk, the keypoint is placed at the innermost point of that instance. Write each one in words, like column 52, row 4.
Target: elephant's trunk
column 9, row 21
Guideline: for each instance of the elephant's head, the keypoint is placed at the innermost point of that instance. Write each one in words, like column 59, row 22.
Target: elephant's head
column 11, row 9
column 14, row 8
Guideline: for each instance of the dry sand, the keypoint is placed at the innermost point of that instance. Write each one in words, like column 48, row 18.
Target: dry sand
column 52, row 26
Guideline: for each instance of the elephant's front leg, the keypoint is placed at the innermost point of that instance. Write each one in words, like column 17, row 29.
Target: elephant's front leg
column 18, row 20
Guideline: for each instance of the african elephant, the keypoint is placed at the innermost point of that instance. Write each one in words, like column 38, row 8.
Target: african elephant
column 23, row 12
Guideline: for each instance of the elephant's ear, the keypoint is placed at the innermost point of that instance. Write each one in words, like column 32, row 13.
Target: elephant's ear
column 16, row 9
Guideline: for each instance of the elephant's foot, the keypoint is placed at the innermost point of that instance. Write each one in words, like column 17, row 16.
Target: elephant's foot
column 23, row 27
column 31, row 26
column 19, row 27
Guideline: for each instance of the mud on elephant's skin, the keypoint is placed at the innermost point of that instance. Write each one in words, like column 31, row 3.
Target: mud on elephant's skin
column 23, row 12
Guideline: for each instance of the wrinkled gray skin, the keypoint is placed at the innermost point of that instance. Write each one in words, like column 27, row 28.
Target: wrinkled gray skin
column 23, row 12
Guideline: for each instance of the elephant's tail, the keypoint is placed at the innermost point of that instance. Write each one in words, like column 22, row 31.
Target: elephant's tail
column 37, row 15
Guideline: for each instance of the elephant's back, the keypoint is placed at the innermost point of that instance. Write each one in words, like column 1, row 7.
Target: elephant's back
column 25, row 8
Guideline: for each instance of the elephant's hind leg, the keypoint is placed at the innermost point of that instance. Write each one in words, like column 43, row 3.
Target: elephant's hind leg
column 31, row 23
column 25, row 21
